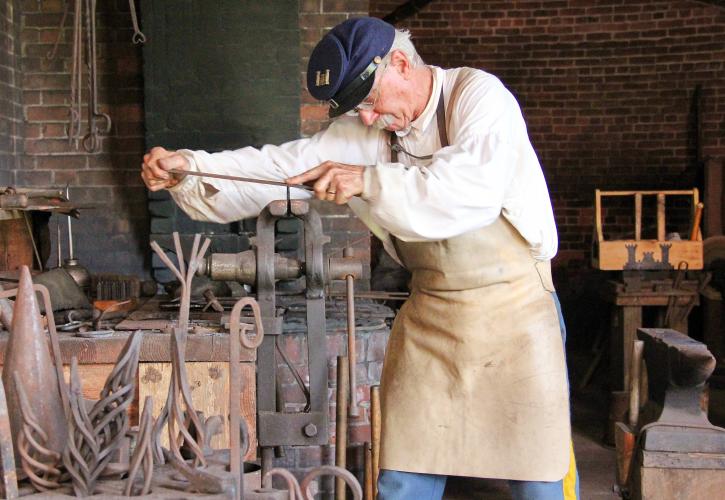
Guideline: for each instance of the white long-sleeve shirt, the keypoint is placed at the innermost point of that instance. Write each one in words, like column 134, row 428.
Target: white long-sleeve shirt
column 488, row 169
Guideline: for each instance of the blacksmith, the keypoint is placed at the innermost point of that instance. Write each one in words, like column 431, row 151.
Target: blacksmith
column 439, row 165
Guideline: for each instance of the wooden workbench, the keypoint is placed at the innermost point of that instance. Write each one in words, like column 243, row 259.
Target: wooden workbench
column 207, row 365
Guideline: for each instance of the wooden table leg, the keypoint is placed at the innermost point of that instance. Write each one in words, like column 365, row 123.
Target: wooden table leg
column 625, row 321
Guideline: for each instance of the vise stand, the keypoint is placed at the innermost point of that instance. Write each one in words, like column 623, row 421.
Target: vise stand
column 262, row 267
column 680, row 454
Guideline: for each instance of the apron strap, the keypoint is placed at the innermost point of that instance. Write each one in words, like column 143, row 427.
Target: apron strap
column 396, row 148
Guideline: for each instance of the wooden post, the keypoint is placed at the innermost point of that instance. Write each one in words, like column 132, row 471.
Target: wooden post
column 368, row 475
column 598, row 214
column 638, row 216
column 634, row 384
column 696, row 221
column 375, row 422
column 351, row 348
column 341, row 424
column 712, row 225
column 660, row 217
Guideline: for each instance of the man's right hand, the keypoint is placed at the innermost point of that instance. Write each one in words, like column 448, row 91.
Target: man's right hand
column 156, row 165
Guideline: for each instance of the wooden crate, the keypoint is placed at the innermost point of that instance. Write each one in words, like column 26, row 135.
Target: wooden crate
column 648, row 254
column 207, row 365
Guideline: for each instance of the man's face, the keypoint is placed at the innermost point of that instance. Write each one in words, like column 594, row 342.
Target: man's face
column 387, row 106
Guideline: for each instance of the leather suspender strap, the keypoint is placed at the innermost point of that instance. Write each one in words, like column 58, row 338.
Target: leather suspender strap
column 396, row 148
column 441, row 116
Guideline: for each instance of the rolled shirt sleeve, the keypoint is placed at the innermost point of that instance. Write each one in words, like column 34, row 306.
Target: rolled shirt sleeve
column 220, row 200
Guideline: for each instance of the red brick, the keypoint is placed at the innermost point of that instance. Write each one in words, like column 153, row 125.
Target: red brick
column 64, row 162
column 314, row 112
column 44, row 146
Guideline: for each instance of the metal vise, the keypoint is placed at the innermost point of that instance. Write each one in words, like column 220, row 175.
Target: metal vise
column 681, row 454
column 261, row 268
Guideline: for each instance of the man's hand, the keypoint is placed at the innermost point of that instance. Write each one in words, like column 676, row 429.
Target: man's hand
column 156, row 165
column 335, row 182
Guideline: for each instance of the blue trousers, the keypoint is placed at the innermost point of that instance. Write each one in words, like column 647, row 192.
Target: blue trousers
column 397, row 485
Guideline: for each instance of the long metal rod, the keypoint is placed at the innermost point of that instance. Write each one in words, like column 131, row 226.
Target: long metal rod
column 70, row 227
column 241, row 179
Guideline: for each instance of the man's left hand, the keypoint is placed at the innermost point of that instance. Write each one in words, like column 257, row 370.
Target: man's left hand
column 334, row 182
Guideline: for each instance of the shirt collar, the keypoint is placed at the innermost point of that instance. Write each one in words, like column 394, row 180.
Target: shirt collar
column 421, row 123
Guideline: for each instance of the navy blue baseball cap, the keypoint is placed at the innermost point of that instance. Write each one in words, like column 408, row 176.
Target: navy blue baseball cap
column 342, row 66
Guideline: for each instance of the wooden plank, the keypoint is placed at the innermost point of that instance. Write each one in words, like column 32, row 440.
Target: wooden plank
column 209, row 382
column 638, row 216
column 598, row 214
column 614, row 255
column 661, row 224
column 15, row 245
column 713, row 197
column 666, row 192
column 680, row 484
column 631, row 320
column 154, row 348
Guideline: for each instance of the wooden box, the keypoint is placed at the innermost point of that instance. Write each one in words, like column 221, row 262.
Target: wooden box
column 207, row 366
column 648, row 254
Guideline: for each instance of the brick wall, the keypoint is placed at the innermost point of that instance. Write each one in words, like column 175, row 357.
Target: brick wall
column 9, row 92
column 606, row 88
column 114, row 236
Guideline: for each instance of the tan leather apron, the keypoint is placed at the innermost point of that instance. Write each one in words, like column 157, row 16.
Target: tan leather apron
column 474, row 379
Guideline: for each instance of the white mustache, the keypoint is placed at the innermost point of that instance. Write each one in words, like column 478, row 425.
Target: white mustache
column 384, row 121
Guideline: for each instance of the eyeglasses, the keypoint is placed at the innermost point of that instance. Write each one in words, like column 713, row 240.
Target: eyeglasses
column 368, row 104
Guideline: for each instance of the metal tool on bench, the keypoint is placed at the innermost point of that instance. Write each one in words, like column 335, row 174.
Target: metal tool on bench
column 262, row 267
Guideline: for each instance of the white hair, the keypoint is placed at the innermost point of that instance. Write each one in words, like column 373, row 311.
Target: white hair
column 403, row 43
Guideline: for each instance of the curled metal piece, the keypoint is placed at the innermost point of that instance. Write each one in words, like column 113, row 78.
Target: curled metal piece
column 7, row 458
column 39, row 463
column 42, row 382
column 172, row 411
column 238, row 334
column 138, row 36
column 236, row 328
column 82, row 456
column 143, row 455
column 213, row 426
column 334, row 471
column 199, row 480
column 184, row 420
column 302, row 490
column 292, row 485
column 109, row 415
